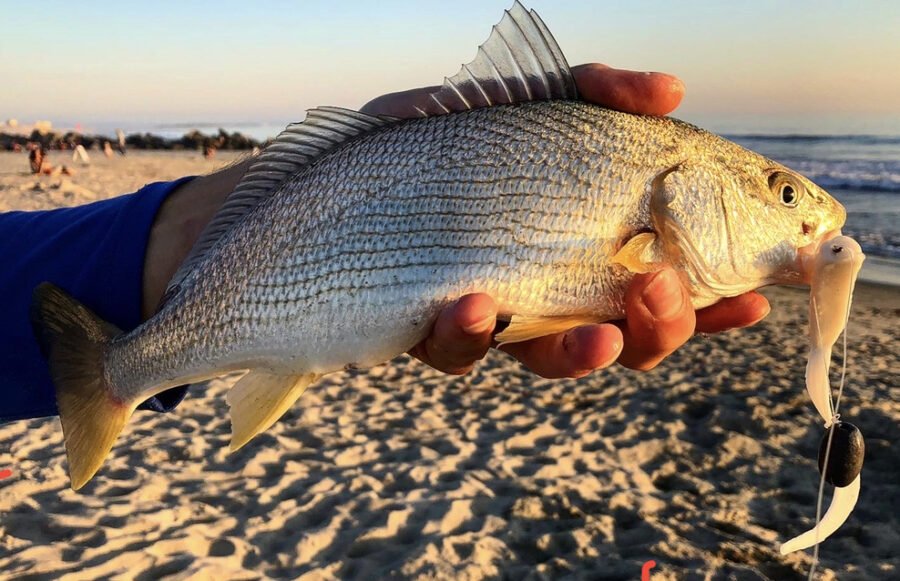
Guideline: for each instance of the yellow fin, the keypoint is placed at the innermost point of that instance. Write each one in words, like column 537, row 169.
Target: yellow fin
column 524, row 327
column 75, row 342
column 635, row 254
column 258, row 399
column 92, row 421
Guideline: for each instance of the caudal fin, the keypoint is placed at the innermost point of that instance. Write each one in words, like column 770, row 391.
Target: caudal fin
column 75, row 341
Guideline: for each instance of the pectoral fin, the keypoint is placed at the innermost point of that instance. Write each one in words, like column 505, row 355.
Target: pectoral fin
column 258, row 399
column 524, row 327
column 637, row 254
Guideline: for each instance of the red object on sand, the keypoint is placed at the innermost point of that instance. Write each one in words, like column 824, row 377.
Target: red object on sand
column 5, row 473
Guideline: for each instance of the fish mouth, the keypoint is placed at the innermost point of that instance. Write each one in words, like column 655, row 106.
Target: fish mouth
column 806, row 255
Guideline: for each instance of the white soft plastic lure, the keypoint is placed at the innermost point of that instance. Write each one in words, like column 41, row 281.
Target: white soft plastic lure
column 834, row 273
column 834, row 270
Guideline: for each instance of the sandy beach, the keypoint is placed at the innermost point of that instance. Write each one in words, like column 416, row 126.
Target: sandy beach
column 703, row 465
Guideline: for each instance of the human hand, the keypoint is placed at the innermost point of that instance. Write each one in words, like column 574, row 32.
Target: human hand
column 659, row 316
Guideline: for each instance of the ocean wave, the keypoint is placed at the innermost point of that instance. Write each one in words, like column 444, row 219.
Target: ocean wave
column 877, row 184
column 803, row 138
column 880, row 244
column 867, row 175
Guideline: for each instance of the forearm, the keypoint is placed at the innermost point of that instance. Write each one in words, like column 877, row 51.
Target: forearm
column 179, row 222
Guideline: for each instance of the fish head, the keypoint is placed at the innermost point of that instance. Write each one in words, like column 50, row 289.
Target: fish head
column 794, row 217
column 738, row 221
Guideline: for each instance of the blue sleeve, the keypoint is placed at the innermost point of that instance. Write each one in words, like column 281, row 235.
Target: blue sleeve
column 94, row 252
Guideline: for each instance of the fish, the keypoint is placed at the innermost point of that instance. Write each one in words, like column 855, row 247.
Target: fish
column 350, row 232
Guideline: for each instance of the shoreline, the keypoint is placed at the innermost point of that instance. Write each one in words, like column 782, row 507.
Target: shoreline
column 878, row 270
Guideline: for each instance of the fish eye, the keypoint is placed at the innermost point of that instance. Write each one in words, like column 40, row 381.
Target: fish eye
column 786, row 188
column 788, row 195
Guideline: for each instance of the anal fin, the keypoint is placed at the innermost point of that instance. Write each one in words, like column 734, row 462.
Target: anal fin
column 525, row 327
column 258, row 399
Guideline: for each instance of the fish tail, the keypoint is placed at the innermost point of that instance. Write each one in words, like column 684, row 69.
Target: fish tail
column 75, row 342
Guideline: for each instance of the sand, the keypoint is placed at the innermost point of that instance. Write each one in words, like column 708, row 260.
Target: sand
column 702, row 465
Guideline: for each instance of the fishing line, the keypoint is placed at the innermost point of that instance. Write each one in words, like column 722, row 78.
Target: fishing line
column 836, row 417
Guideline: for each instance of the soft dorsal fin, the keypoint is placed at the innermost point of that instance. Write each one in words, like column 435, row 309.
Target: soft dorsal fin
column 519, row 62
column 300, row 144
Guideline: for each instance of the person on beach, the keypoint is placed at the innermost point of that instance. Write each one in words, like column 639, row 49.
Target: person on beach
column 116, row 256
column 39, row 165
column 81, row 154
column 120, row 135
column 36, row 158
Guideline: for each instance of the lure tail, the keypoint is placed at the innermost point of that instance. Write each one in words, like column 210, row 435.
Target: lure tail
column 75, row 342
column 841, row 506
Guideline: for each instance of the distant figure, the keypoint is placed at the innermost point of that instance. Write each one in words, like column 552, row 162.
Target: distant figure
column 121, row 136
column 36, row 158
column 39, row 165
column 209, row 151
column 80, row 154
column 107, row 149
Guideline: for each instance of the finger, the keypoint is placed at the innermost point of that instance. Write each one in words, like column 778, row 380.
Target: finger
column 461, row 335
column 732, row 313
column 572, row 354
column 659, row 318
column 628, row 91
column 401, row 104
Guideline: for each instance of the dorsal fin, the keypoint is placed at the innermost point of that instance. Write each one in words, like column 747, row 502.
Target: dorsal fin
column 300, row 144
column 519, row 62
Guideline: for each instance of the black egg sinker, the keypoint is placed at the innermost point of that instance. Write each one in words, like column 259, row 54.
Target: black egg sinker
column 847, row 451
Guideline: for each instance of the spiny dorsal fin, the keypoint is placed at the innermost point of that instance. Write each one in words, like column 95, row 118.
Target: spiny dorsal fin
column 519, row 62
column 300, row 144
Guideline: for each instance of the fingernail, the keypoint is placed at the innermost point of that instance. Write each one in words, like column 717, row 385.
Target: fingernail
column 481, row 326
column 764, row 315
column 664, row 296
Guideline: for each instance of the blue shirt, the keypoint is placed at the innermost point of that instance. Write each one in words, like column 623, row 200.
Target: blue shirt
column 95, row 253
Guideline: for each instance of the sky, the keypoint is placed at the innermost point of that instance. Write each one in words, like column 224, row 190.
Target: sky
column 800, row 64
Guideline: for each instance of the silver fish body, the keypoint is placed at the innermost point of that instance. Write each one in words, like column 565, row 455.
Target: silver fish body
column 350, row 261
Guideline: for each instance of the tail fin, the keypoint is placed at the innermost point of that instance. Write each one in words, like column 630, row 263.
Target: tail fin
column 75, row 341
